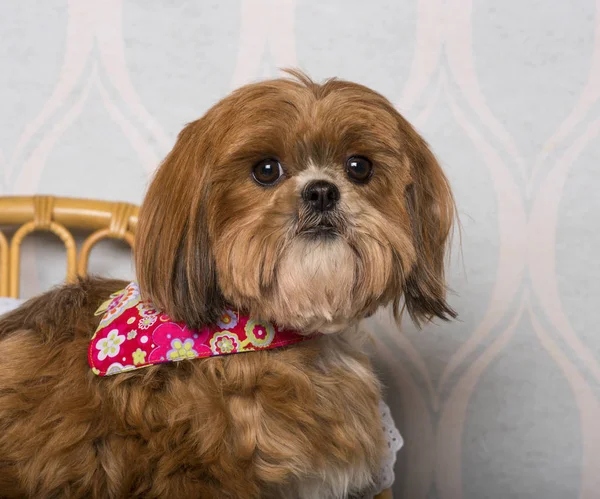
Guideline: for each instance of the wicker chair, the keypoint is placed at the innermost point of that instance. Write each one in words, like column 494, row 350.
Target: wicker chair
column 58, row 215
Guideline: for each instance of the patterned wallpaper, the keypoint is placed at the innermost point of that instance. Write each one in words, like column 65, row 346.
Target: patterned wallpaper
column 503, row 403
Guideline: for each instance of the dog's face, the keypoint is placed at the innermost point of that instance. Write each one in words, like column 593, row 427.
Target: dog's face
column 308, row 205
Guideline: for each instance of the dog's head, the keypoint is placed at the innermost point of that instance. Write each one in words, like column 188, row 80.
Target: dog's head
column 308, row 205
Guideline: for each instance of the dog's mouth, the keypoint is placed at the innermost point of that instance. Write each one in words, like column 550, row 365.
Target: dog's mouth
column 322, row 227
column 324, row 231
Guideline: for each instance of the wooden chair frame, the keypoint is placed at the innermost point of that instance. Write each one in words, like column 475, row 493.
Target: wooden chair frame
column 58, row 215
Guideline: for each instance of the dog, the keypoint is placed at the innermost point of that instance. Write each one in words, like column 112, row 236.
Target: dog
column 304, row 204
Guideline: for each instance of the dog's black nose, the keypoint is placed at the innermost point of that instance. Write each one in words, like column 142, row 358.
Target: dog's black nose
column 321, row 195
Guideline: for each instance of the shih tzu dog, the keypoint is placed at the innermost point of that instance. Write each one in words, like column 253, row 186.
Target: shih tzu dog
column 280, row 219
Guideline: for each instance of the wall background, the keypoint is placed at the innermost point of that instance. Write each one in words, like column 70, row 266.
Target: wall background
column 502, row 404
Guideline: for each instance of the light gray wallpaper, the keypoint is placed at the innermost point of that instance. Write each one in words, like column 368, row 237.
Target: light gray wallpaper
column 503, row 403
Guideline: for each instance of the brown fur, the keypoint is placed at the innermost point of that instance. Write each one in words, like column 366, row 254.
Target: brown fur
column 297, row 422
column 239, row 426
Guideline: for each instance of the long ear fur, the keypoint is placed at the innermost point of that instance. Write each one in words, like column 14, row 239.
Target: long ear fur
column 431, row 207
column 174, row 262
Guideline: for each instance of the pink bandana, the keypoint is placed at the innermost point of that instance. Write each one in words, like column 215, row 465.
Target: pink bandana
column 133, row 334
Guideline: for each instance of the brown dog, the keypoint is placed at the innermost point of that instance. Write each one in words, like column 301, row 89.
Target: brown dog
column 307, row 205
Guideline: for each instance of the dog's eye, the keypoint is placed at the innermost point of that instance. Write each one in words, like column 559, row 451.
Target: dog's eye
column 359, row 169
column 267, row 171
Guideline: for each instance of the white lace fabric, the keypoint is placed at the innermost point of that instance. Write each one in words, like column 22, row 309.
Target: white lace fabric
column 385, row 479
column 394, row 443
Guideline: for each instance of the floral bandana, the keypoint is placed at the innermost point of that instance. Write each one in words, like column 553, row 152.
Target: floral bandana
column 133, row 334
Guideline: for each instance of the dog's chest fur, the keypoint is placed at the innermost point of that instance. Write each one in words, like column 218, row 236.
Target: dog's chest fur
column 299, row 422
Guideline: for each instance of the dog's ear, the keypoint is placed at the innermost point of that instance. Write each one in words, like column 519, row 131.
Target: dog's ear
column 431, row 209
column 174, row 263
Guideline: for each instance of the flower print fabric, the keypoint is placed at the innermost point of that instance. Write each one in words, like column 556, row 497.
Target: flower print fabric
column 224, row 343
column 228, row 320
column 110, row 346
column 118, row 303
column 133, row 334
